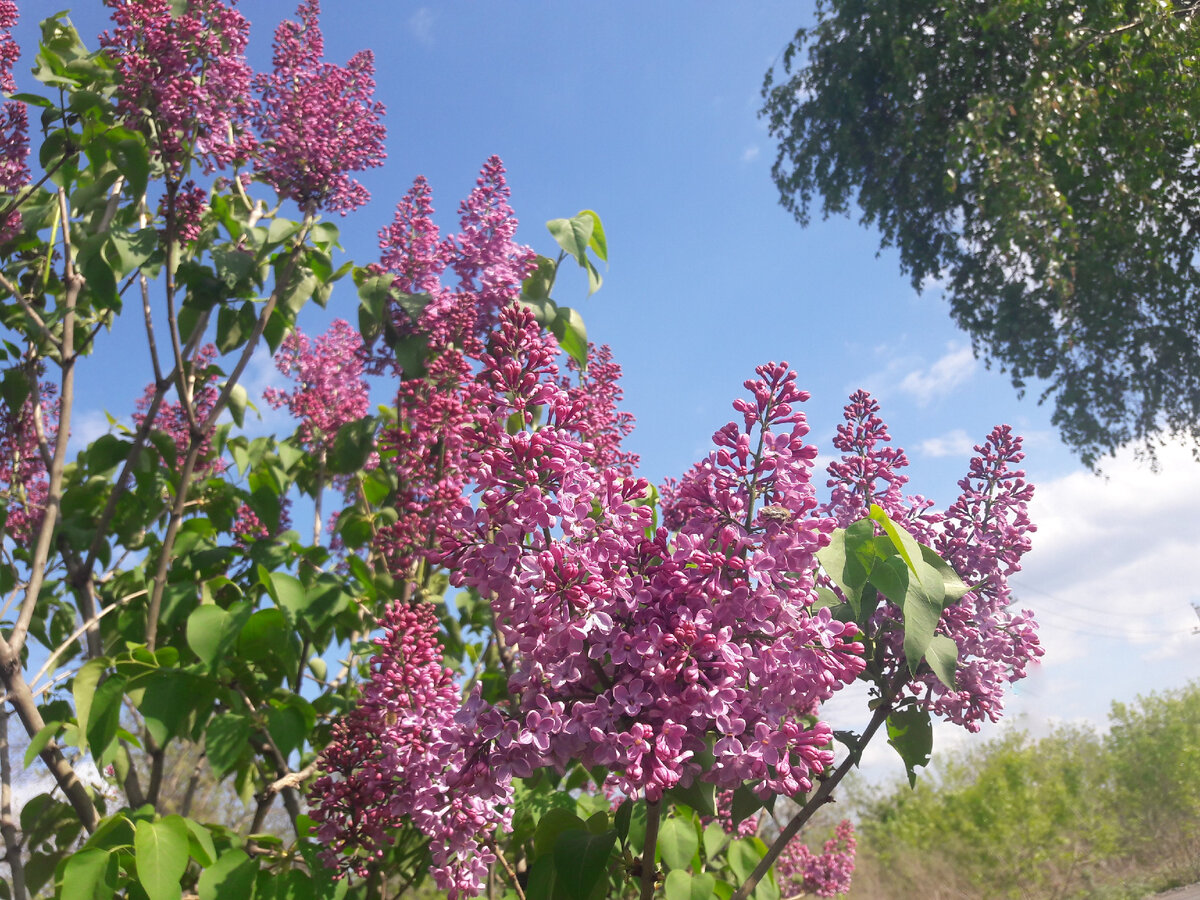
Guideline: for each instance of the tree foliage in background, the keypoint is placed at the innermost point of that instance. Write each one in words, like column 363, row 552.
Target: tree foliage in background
column 1038, row 157
column 1073, row 814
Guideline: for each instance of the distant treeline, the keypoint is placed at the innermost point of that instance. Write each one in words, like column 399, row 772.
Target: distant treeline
column 1074, row 814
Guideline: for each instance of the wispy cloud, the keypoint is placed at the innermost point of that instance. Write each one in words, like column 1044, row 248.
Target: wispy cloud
column 952, row 443
column 928, row 384
column 420, row 25
column 1111, row 580
column 86, row 426
column 750, row 153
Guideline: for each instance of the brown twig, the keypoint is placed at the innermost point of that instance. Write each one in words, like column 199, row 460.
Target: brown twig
column 821, row 795
column 8, row 827
column 511, row 875
column 21, row 699
column 293, row 779
column 37, row 567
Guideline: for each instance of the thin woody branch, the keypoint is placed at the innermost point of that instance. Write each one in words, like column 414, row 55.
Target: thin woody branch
column 74, row 284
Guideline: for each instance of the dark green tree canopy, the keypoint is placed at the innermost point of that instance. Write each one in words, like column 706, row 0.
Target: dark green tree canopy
column 1039, row 157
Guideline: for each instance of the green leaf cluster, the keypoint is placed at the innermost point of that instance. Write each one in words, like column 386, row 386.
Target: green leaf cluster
column 1020, row 155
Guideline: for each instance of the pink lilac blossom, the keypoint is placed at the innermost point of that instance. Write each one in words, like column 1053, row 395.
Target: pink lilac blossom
column 330, row 390
column 14, row 122
column 172, row 420
column 190, row 205
column 429, row 452
column 24, row 487
column 435, row 413
column 318, row 120
column 724, row 804
column 411, row 249
column 405, row 754
column 248, row 527
column 825, row 875
column 869, row 472
column 489, row 264
column 631, row 650
column 184, row 80
column 412, row 252
column 602, row 422
column 983, row 536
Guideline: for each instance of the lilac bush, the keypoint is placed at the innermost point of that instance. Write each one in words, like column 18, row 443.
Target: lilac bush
column 554, row 679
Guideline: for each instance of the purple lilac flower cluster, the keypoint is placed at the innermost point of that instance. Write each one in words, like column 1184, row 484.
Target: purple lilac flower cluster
column 428, row 447
column 724, row 805
column 632, row 648
column 401, row 754
column 330, row 390
column 14, row 122
column 172, row 418
column 184, row 80
column 983, row 536
column 317, row 120
column 24, row 487
column 185, row 83
column 826, row 874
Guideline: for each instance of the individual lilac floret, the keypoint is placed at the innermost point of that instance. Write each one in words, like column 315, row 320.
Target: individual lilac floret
column 184, row 80
column 317, row 120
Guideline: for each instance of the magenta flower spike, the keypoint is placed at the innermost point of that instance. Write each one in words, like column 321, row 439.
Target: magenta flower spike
column 14, row 122
column 184, row 80
column 317, row 120
column 328, row 374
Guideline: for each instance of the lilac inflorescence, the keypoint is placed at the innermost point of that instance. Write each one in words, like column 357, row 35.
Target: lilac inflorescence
column 329, row 387
column 14, row 122
column 24, row 485
column 405, row 753
column 826, row 874
column 317, row 120
column 184, row 80
column 661, row 654
column 983, row 536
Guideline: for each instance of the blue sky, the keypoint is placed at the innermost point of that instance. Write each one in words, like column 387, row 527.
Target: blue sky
column 647, row 113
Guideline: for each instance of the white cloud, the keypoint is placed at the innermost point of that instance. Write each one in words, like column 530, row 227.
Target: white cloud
column 953, row 369
column 750, row 153
column 86, row 426
column 420, row 25
column 952, row 443
column 261, row 374
column 1111, row 580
